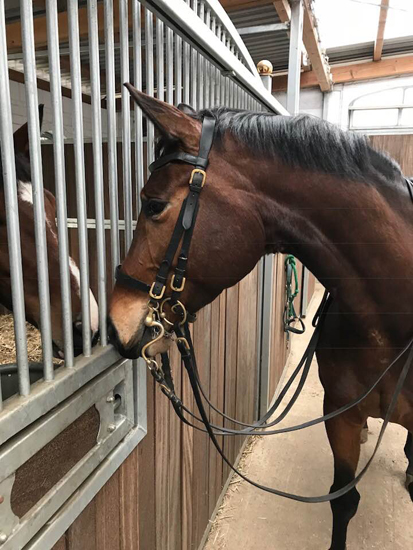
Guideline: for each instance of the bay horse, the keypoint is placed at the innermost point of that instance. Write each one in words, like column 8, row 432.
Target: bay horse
column 29, row 264
column 301, row 186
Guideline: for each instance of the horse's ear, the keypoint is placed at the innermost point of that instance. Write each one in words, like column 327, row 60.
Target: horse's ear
column 169, row 120
column 187, row 109
column 21, row 136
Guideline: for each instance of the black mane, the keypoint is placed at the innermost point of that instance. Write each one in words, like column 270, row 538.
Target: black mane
column 305, row 141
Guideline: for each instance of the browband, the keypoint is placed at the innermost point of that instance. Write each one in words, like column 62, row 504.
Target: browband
column 179, row 155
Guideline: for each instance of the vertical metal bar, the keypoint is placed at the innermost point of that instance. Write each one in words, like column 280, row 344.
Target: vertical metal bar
column 194, row 67
column 60, row 179
column 201, row 65
column 169, row 66
column 212, row 86
column 126, row 145
column 112, row 146
column 76, row 82
column 186, row 73
column 178, row 70
column 30, row 80
column 207, row 65
column 160, row 60
column 294, row 61
column 293, row 96
column 213, row 70
column 137, row 51
column 266, row 334
column 12, row 214
column 149, row 81
column 98, row 164
column 218, row 95
column 261, row 399
column 231, row 90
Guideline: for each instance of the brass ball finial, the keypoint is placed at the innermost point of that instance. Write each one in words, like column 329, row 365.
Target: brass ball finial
column 264, row 67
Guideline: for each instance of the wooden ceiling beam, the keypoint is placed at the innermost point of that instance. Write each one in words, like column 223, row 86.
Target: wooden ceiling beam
column 378, row 45
column 14, row 31
column 232, row 5
column 393, row 66
column 283, row 9
column 311, row 41
column 17, row 76
column 312, row 45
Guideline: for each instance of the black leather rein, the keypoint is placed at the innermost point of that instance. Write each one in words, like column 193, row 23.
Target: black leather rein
column 156, row 319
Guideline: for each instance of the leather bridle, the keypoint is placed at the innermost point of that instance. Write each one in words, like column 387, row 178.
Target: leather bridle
column 183, row 231
column 156, row 319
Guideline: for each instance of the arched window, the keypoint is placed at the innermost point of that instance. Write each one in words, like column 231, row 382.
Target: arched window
column 387, row 109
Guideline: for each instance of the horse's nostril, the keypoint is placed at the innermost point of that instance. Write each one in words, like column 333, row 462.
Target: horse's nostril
column 78, row 326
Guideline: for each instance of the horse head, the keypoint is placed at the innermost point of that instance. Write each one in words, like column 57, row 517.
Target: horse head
column 28, row 255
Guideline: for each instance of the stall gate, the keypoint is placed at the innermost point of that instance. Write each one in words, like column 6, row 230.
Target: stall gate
column 72, row 475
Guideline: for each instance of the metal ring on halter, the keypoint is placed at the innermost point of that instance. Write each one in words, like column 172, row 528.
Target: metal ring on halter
column 178, row 303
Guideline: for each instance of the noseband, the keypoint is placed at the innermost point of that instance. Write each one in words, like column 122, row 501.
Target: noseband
column 183, row 231
column 156, row 318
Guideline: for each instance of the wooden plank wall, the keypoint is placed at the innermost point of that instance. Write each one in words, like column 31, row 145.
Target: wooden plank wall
column 163, row 495
column 398, row 146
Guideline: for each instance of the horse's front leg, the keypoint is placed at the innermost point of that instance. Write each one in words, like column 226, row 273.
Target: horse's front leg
column 343, row 433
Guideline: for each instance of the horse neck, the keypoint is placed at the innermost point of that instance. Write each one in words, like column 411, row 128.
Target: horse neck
column 353, row 237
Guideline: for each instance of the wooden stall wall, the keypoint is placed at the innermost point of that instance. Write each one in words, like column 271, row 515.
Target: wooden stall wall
column 398, row 146
column 163, row 495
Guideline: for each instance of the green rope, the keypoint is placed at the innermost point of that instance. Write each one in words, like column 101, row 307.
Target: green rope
column 289, row 313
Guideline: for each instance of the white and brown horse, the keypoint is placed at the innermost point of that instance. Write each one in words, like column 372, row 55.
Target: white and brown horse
column 28, row 251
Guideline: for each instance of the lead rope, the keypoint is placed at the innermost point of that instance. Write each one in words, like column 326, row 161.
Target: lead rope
column 187, row 357
column 290, row 315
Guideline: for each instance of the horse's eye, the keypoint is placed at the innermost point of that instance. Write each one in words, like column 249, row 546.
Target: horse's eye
column 153, row 207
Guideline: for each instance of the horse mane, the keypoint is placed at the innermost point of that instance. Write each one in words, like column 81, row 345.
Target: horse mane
column 305, row 141
column 22, row 169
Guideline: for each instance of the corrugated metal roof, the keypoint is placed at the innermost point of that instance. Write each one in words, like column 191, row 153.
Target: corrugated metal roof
column 270, row 45
column 273, row 45
column 364, row 52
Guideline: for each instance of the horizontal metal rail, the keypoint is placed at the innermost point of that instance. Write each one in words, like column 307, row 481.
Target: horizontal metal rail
column 226, row 23
column 272, row 27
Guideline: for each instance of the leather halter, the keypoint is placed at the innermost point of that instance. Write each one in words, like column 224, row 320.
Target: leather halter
column 184, row 230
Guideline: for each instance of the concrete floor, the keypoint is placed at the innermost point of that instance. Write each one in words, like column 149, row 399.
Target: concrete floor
column 302, row 463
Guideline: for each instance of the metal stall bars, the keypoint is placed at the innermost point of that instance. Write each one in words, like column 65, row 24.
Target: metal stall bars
column 12, row 216
column 111, row 123
column 220, row 56
column 37, row 183
column 32, row 416
column 75, row 75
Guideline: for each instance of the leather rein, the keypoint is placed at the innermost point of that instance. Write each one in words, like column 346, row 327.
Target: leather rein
column 156, row 321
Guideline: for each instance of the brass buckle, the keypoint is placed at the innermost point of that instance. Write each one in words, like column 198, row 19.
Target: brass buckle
column 180, row 289
column 156, row 296
column 184, row 342
column 199, row 171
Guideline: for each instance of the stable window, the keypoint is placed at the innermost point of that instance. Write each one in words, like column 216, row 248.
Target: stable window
column 384, row 110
